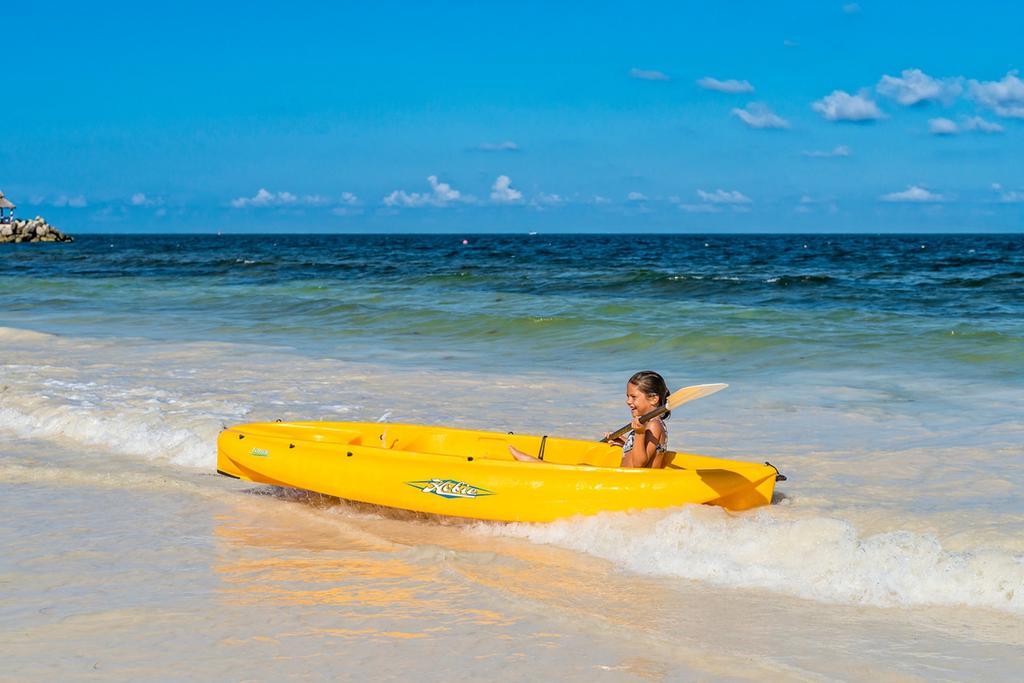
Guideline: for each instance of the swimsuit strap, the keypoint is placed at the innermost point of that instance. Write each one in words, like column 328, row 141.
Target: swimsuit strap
column 627, row 445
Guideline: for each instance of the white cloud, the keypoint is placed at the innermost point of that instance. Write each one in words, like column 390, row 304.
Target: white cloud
column 349, row 205
column 724, row 197
column 75, row 202
column 440, row 195
column 914, row 86
column 837, row 151
column 759, row 115
column 506, row 146
column 942, row 127
column 700, row 208
column 598, row 199
column 729, row 86
column 913, row 193
column 142, row 199
column 636, row 197
column 544, row 199
column 649, row 75
column 981, row 125
column 443, row 191
column 111, row 213
column 502, row 191
column 842, row 106
column 1005, row 97
column 851, row 8
column 967, row 123
column 264, row 197
column 810, row 204
column 1008, row 196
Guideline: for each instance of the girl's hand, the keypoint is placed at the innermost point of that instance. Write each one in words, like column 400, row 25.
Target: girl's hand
column 638, row 426
column 617, row 441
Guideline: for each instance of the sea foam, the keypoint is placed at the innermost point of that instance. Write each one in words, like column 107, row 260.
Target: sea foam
column 817, row 558
column 130, row 435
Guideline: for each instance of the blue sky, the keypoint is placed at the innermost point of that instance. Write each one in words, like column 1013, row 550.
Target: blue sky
column 458, row 116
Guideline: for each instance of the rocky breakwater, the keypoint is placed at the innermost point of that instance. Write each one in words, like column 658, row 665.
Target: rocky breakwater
column 34, row 230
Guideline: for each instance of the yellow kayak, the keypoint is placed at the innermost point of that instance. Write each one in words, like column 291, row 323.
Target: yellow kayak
column 467, row 473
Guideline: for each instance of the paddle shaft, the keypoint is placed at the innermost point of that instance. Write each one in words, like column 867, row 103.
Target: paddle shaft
column 644, row 419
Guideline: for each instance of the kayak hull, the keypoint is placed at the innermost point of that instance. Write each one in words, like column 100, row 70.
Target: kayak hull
column 467, row 473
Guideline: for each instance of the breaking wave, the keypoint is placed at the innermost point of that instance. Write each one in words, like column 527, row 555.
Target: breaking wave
column 816, row 558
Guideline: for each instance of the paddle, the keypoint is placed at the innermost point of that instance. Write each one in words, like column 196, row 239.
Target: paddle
column 675, row 400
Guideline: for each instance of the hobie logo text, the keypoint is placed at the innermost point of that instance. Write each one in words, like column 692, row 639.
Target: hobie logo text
column 449, row 488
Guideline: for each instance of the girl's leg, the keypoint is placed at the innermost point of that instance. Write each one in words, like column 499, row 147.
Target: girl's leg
column 522, row 457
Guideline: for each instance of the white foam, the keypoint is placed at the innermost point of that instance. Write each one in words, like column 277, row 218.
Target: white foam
column 819, row 558
column 162, row 402
column 128, row 408
column 133, row 434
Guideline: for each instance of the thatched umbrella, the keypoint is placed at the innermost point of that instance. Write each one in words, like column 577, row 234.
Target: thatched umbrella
column 5, row 203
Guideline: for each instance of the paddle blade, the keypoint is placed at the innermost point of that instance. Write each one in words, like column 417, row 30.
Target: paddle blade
column 687, row 394
column 684, row 395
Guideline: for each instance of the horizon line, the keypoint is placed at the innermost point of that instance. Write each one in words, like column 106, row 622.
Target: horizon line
column 533, row 233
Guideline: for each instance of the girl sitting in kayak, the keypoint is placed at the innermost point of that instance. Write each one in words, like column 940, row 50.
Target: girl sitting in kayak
column 645, row 445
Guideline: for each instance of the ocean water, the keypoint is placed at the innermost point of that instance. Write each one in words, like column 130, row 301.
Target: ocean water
column 883, row 374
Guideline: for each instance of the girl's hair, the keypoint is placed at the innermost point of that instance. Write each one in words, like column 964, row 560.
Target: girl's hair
column 651, row 382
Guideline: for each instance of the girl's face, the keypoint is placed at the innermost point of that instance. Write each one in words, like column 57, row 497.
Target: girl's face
column 640, row 403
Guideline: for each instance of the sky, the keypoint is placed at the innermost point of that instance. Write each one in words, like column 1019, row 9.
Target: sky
column 513, row 117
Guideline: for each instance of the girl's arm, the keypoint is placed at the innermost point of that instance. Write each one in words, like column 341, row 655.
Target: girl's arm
column 660, row 460
column 645, row 445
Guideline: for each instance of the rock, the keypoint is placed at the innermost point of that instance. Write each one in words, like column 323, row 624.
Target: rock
column 33, row 230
